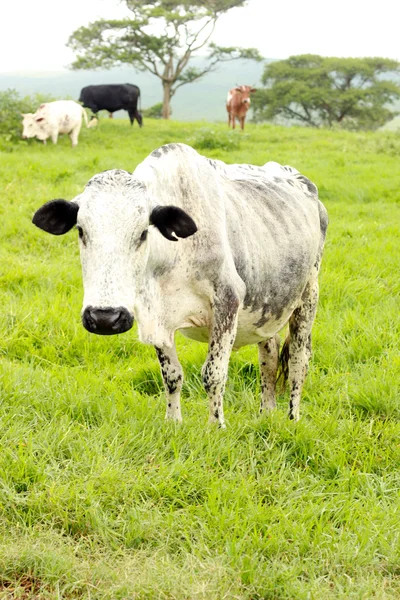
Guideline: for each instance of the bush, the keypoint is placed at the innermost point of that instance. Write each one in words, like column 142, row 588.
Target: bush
column 208, row 139
column 11, row 107
column 154, row 112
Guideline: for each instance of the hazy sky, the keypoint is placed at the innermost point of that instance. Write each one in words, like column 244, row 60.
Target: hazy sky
column 33, row 34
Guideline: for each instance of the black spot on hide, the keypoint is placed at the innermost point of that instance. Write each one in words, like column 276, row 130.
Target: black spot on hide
column 115, row 176
column 323, row 219
column 270, row 310
column 166, row 148
column 161, row 270
column 312, row 188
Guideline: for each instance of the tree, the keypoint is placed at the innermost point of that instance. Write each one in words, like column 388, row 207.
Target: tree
column 160, row 36
column 317, row 91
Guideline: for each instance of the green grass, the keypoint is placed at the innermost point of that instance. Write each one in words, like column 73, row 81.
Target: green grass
column 102, row 499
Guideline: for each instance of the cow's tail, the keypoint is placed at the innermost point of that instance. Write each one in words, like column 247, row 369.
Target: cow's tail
column 283, row 365
column 139, row 100
column 85, row 116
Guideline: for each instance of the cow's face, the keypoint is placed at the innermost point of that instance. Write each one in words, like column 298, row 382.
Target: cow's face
column 245, row 91
column 116, row 225
column 33, row 126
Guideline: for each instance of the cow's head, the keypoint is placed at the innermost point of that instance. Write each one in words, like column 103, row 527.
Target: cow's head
column 120, row 231
column 245, row 91
column 33, row 126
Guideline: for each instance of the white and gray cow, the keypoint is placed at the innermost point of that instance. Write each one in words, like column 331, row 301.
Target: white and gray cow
column 226, row 254
column 54, row 118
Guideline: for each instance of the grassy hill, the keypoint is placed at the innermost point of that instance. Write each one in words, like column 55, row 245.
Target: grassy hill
column 100, row 498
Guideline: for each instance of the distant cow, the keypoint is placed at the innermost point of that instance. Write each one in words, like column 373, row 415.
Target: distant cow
column 113, row 97
column 227, row 254
column 238, row 103
column 54, row 118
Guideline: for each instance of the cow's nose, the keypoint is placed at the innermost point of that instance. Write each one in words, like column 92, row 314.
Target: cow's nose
column 107, row 321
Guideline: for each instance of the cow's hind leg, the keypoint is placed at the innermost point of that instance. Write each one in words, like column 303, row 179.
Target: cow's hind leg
column 74, row 135
column 300, row 325
column 132, row 115
column 139, row 118
column 172, row 375
column 268, row 357
column 222, row 336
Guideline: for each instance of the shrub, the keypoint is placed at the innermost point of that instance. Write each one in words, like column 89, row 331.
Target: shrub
column 154, row 112
column 11, row 107
column 208, row 139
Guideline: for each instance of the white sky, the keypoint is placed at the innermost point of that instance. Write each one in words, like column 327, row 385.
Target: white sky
column 33, row 33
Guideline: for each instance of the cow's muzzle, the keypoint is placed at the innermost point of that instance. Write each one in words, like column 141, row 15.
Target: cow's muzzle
column 107, row 321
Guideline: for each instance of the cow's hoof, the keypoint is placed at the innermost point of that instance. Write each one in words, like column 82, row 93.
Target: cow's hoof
column 212, row 421
column 173, row 419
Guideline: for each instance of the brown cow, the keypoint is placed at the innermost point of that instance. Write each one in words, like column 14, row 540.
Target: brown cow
column 238, row 103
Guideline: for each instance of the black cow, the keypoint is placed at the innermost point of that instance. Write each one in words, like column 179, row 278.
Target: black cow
column 113, row 97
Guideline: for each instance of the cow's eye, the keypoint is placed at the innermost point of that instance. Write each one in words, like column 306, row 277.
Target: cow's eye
column 143, row 237
column 80, row 233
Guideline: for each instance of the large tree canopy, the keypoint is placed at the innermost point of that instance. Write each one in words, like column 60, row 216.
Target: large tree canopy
column 318, row 91
column 160, row 36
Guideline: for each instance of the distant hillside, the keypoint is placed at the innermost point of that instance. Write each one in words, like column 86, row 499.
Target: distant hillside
column 201, row 100
column 204, row 99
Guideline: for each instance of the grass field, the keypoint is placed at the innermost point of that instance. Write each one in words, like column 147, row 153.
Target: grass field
column 101, row 499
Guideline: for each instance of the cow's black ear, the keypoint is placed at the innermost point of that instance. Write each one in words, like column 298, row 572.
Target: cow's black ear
column 56, row 217
column 171, row 219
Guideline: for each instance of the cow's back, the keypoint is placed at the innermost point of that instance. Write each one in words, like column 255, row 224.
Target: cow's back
column 63, row 114
column 111, row 97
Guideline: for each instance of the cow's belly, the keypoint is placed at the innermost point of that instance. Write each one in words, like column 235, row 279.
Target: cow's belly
column 67, row 125
column 199, row 334
column 253, row 328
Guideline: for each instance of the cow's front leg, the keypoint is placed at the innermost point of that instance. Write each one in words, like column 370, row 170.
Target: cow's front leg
column 222, row 336
column 172, row 375
column 268, row 357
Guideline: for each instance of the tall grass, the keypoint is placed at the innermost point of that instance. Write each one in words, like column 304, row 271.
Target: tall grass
column 100, row 498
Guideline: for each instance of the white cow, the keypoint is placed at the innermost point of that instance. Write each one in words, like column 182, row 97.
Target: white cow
column 54, row 118
column 227, row 254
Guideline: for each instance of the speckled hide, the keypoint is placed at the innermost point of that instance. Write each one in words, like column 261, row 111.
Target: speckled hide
column 227, row 254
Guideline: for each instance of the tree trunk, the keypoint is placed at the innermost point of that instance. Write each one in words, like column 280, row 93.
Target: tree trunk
column 166, row 109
